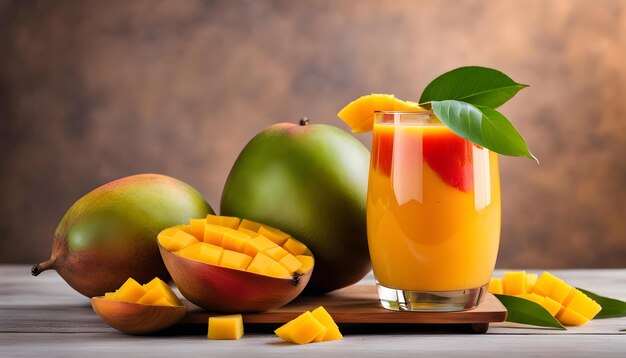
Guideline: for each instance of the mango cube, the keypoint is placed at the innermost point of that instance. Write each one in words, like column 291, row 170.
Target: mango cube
column 294, row 247
column 584, row 305
column 157, row 290
column 197, row 228
column 544, row 284
column 225, row 327
column 551, row 305
column 532, row 297
column 250, row 225
column 276, row 253
column 213, row 234
column 290, row 262
column 332, row 330
column 110, row 296
column 277, row 270
column 248, row 232
column 179, row 240
column 304, row 329
column 495, row 286
column 210, row 254
column 559, row 291
column 234, row 240
column 226, row 221
column 131, row 291
column 235, row 260
column 514, row 282
column 306, row 261
column 260, row 263
column 531, row 279
column 258, row 244
column 277, row 236
column 571, row 318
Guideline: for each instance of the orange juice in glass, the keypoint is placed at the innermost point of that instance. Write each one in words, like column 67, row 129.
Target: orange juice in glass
column 433, row 214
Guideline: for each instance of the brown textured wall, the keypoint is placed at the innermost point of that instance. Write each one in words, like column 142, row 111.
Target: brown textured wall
column 94, row 90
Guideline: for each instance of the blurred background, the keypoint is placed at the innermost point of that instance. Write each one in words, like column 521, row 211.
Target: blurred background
column 91, row 91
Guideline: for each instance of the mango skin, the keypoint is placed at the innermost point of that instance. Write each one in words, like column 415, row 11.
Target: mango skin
column 309, row 181
column 110, row 234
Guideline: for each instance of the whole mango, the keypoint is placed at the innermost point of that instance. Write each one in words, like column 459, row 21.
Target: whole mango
column 110, row 234
column 309, row 181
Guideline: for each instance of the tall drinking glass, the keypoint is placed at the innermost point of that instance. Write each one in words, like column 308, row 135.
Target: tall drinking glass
column 433, row 214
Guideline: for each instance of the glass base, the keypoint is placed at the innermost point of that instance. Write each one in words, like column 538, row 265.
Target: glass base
column 429, row 301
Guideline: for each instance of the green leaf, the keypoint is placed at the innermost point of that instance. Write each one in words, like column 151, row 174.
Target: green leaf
column 611, row 307
column 528, row 312
column 480, row 86
column 623, row 330
column 483, row 126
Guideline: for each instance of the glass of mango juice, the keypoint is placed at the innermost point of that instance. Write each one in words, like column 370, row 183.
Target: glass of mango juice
column 433, row 214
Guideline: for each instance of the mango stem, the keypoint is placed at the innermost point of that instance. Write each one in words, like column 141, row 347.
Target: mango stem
column 304, row 121
column 41, row 267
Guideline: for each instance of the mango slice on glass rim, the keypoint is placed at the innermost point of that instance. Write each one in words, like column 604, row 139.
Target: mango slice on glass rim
column 359, row 114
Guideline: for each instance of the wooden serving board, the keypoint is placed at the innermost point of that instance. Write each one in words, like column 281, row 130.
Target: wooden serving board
column 360, row 304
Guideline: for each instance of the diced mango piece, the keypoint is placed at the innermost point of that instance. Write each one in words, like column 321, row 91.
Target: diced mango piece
column 162, row 302
column 203, row 252
column 584, row 305
column 248, row 232
column 532, row 297
column 225, row 327
column 177, row 241
column 110, row 296
column 250, row 225
column 230, row 222
column 168, row 232
column 559, row 291
column 277, row 236
column 276, row 253
column 514, row 282
column 258, row 244
column 571, row 318
column 359, row 114
column 294, row 247
column 302, row 329
column 495, row 286
column 277, row 270
column 544, row 284
column 307, row 263
column 131, row 291
column 290, row 262
column 235, row 260
column 551, row 305
column 158, row 287
column 531, row 279
column 234, row 240
column 213, row 234
column 260, row 263
column 197, row 228
column 332, row 330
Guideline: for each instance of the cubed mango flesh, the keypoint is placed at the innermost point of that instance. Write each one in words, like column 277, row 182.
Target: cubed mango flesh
column 155, row 293
column 258, row 244
column 303, row 329
column 260, row 263
column 250, row 225
column 569, row 305
column 307, row 263
column 495, row 286
column 294, row 247
column 235, row 260
column 332, row 330
column 243, row 248
column 225, row 327
column 277, row 236
column 514, row 282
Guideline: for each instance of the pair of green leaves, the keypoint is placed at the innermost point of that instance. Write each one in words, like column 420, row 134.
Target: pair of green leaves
column 465, row 99
column 528, row 312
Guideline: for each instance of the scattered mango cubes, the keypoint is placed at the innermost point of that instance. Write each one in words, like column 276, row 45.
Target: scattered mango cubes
column 569, row 305
column 155, row 292
column 238, row 244
column 225, row 327
column 315, row 326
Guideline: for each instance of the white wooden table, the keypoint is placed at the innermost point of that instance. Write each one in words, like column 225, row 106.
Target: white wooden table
column 44, row 317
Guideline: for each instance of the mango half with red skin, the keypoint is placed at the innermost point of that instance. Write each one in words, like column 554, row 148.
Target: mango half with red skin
column 310, row 181
column 109, row 234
